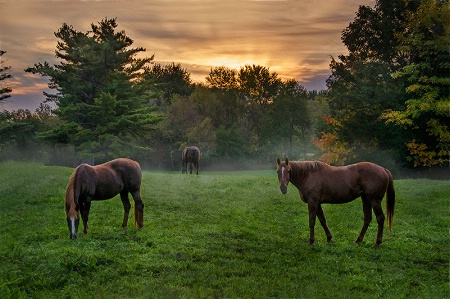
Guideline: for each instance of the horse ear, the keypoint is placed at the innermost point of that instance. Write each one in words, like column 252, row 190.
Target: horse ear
column 286, row 161
column 278, row 161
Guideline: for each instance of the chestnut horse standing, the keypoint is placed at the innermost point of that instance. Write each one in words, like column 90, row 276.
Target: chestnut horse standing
column 320, row 183
column 101, row 182
column 190, row 156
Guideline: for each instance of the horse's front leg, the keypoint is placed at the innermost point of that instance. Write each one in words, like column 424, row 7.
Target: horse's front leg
column 323, row 221
column 84, row 211
column 312, row 210
column 126, row 207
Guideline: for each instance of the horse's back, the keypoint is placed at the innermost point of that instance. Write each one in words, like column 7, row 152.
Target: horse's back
column 192, row 154
column 124, row 165
column 115, row 176
column 341, row 184
column 129, row 171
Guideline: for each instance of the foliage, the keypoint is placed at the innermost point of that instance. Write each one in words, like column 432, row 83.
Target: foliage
column 18, row 129
column 257, row 88
column 288, row 117
column 169, row 80
column 217, row 235
column 231, row 144
column 426, row 113
column 361, row 87
column 335, row 152
column 4, row 91
column 100, row 94
column 396, row 73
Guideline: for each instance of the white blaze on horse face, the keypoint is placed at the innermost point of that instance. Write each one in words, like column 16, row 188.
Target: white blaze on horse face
column 282, row 174
column 73, row 230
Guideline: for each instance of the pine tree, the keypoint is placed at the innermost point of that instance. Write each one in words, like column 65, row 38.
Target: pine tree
column 101, row 97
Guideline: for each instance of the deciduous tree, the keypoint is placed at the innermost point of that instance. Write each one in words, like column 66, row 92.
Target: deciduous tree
column 171, row 79
column 361, row 86
column 426, row 114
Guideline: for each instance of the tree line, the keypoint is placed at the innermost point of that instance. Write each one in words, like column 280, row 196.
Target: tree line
column 386, row 101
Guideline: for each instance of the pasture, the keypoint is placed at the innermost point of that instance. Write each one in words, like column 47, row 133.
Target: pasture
column 217, row 235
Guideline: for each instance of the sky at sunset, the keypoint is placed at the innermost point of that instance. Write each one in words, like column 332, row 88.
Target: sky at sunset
column 294, row 38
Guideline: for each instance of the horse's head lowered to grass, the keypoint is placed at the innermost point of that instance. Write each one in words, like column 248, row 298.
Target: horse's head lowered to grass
column 104, row 181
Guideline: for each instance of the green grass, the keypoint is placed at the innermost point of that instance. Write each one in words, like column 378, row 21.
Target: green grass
column 216, row 235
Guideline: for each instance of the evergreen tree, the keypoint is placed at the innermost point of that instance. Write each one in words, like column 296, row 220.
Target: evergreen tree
column 100, row 94
column 3, row 76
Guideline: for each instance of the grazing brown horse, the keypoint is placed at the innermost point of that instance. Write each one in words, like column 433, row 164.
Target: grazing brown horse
column 190, row 156
column 320, row 183
column 101, row 182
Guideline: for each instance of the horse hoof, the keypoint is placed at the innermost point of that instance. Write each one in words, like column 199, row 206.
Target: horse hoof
column 376, row 245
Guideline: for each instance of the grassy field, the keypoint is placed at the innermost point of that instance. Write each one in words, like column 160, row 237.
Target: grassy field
column 216, row 235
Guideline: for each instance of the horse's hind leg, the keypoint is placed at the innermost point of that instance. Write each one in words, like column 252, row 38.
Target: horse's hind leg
column 126, row 206
column 183, row 167
column 323, row 221
column 138, row 209
column 196, row 168
column 367, row 209
column 376, row 205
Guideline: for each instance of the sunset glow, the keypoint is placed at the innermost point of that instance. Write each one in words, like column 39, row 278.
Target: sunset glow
column 293, row 38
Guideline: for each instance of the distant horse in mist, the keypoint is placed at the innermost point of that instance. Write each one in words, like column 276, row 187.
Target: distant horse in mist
column 320, row 183
column 101, row 182
column 190, row 157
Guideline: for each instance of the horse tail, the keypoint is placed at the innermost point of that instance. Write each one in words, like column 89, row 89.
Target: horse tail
column 197, row 153
column 196, row 159
column 183, row 154
column 138, row 203
column 138, row 213
column 390, row 200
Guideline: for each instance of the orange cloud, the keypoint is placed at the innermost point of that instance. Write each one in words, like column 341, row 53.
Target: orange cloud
column 293, row 38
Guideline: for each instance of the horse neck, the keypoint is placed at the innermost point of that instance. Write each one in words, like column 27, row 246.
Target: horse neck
column 78, row 184
column 301, row 170
column 71, row 197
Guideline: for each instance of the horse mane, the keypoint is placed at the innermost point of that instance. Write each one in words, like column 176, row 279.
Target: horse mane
column 70, row 203
column 302, row 168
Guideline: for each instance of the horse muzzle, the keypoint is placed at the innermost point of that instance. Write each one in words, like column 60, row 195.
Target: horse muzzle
column 73, row 228
column 283, row 189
